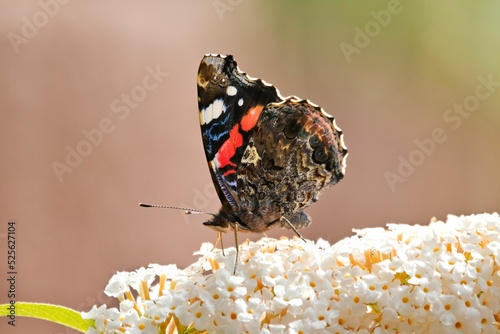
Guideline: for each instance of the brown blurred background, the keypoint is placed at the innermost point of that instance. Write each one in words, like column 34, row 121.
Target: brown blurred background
column 392, row 73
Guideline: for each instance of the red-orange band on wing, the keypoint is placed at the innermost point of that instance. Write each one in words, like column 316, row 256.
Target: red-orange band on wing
column 251, row 117
column 229, row 147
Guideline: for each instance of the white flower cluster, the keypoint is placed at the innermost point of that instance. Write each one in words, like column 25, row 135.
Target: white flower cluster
column 439, row 278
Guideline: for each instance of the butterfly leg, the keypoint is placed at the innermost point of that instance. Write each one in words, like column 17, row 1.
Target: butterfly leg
column 293, row 228
column 235, row 229
column 217, row 239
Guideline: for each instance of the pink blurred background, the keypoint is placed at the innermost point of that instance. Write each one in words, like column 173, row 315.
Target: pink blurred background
column 391, row 73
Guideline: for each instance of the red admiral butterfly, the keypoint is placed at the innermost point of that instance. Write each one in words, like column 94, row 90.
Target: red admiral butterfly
column 269, row 156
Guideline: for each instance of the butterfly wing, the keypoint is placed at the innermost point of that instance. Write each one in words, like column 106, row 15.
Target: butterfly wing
column 295, row 152
column 230, row 104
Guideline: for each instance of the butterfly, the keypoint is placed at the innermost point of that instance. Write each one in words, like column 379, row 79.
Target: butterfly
column 269, row 156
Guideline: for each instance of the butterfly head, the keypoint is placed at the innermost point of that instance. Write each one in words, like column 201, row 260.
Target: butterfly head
column 218, row 223
column 225, row 220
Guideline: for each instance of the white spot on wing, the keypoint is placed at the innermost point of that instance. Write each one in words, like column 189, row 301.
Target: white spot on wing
column 240, row 102
column 213, row 111
column 214, row 163
column 231, row 90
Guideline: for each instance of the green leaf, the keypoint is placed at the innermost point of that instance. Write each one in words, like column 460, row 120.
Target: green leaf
column 53, row 313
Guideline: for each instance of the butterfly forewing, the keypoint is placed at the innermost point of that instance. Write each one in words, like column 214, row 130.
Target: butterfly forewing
column 229, row 104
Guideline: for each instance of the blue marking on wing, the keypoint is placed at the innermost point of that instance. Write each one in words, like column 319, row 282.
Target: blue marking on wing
column 213, row 134
column 225, row 191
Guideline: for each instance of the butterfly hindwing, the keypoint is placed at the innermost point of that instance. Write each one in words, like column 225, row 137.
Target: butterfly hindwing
column 295, row 151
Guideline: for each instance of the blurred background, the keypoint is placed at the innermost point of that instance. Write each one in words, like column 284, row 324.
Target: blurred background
column 98, row 112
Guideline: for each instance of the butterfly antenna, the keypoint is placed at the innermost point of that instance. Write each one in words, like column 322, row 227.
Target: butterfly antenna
column 187, row 211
